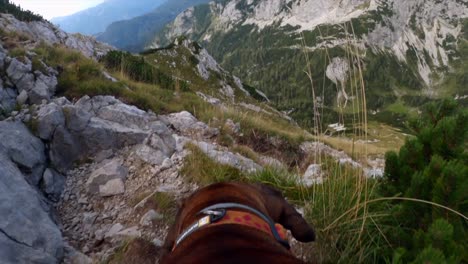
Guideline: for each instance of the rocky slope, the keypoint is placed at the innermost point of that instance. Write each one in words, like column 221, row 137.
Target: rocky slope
column 33, row 33
column 411, row 51
column 95, row 19
column 80, row 176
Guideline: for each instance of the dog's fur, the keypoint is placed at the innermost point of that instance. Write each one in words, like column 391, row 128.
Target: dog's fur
column 231, row 243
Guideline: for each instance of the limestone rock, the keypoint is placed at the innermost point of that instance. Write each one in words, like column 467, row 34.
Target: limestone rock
column 18, row 70
column 53, row 184
column 126, row 115
column 313, row 175
column 102, row 134
column 228, row 158
column 77, row 119
column 188, row 125
column 114, row 230
column 149, row 217
column 22, row 98
column 64, row 149
column 49, row 117
column 105, row 179
column 112, row 187
column 27, row 234
column 150, row 155
column 7, row 98
column 23, row 149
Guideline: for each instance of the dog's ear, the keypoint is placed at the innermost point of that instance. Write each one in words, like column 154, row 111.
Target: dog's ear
column 284, row 213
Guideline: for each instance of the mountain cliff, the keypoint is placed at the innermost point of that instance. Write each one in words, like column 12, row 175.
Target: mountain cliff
column 96, row 19
column 410, row 51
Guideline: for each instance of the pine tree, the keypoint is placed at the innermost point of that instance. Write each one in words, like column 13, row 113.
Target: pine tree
column 432, row 166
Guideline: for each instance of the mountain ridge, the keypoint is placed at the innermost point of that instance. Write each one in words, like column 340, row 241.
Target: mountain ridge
column 133, row 35
column 403, row 34
column 95, row 19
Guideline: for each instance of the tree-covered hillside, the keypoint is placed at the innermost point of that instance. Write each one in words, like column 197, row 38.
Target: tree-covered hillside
column 399, row 51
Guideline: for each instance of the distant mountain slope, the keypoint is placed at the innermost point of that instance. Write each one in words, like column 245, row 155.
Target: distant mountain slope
column 408, row 52
column 134, row 34
column 96, row 19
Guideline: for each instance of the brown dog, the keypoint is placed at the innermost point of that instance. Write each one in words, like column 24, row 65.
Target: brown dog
column 229, row 242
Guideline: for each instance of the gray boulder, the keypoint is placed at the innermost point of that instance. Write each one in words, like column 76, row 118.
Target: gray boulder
column 38, row 92
column 2, row 57
column 7, row 98
column 20, row 74
column 22, row 98
column 27, row 234
column 77, row 119
column 127, row 115
column 49, row 117
column 188, row 125
column 228, row 158
column 27, row 151
column 17, row 70
column 64, row 149
column 53, row 184
column 108, row 179
column 150, row 155
column 102, row 134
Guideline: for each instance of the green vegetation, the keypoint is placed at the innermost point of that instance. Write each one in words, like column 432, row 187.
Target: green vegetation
column 137, row 69
column 431, row 167
column 18, row 12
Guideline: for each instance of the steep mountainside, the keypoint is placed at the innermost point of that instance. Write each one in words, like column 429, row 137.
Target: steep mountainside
column 407, row 52
column 134, row 34
column 96, row 19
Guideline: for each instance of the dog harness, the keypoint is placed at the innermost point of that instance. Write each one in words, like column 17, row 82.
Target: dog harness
column 225, row 213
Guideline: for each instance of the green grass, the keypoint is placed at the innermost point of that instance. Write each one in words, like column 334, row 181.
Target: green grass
column 201, row 169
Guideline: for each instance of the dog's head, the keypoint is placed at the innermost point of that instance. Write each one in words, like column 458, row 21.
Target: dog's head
column 265, row 199
column 282, row 212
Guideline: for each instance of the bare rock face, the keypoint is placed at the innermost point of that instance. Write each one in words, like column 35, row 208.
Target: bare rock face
column 53, row 184
column 49, row 118
column 27, row 233
column 27, row 151
column 37, row 85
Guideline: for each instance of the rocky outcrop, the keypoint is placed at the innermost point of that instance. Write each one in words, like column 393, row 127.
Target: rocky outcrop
column 25, row 150
column 41, row 31
column 185, row 123
column 27, row 233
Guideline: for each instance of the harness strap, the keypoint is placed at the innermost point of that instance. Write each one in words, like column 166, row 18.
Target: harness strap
column 217, row 212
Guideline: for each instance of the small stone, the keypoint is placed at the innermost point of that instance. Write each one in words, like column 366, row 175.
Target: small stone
column 85, row 249
column 89, row 218
column 167, row 163
column 130, row 232
column 22, row 98
column 114, row 230
column 112, row 187
column 158, row 242
column 149, row 217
